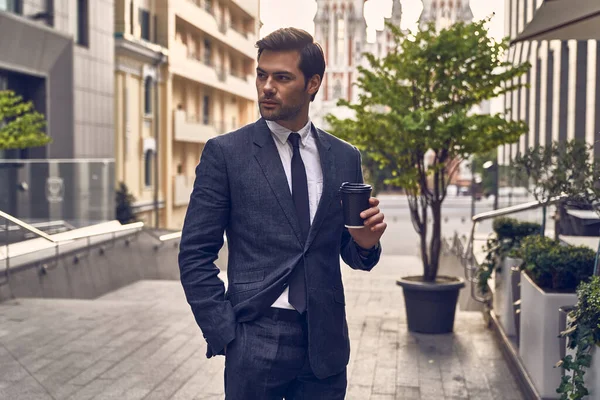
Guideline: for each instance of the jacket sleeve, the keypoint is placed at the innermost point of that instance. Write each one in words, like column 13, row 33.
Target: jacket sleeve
column 201, row 239
column 349, row 249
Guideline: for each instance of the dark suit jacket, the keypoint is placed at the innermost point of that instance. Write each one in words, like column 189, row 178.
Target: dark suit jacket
column 241, row 188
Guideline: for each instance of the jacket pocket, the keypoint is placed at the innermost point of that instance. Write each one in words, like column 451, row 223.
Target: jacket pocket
column 255, row 275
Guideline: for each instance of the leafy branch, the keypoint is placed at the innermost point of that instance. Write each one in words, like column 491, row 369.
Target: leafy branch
column 21, row 126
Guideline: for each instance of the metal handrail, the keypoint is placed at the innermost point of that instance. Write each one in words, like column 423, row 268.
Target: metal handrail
column 467, row 255
column 169, row 236
column 48, row 224
column 26, row 226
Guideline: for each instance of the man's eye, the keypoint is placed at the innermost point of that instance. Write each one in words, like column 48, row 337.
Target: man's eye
column 260, row 75
column 284, row 78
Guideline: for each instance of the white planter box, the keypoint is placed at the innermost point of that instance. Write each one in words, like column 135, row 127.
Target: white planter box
column 539, row 346
column 503, row 296
column 592, row 375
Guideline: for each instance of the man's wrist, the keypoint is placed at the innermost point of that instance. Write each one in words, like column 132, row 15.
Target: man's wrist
column 366, row 252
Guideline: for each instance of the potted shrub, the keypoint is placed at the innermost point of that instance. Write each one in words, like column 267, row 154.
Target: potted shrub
column 550, row 276
column 415, row 117
column 499, row 261
column 565, row 169
column 582, row 363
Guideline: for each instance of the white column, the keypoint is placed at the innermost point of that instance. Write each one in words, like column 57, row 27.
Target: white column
column 556, row 45
column 530, row 10
column 523, row 108
column 543, row 92
column 591, row 95
column 521, row 19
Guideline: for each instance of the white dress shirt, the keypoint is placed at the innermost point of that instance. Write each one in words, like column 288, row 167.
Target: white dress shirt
column 312, row 163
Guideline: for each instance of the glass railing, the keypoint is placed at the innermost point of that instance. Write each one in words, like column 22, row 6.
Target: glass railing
column 41, row 192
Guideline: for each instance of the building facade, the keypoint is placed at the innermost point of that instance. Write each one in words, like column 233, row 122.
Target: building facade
column 563, row 98
column 189, row 78
column 444, row 13
column 59, row 55
column 341, row 29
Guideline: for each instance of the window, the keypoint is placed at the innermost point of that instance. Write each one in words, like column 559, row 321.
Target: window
column 208, row 6
column 207, row 52
column 131, row 17
column 148, row 155
column 148, row 95
column 13, row 6
column 337, row 89
column 341, row 38
column 145, row 24
column 155, row 29
column 80, row 22
column 206, row 110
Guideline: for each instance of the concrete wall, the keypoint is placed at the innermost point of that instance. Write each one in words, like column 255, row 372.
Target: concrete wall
column 98, row 274
column 91, row 71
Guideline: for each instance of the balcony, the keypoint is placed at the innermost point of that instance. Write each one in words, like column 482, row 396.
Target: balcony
column 192, row 67
column 195, row 12
column 250, row 7
column 182, row 189
column 193, row 129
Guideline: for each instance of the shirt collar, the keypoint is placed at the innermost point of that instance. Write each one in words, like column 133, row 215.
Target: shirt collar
column 281, row 133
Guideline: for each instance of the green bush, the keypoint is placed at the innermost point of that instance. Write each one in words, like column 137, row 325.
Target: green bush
column 554, row 266
column 583, row 335
column 509, row 233
column 124, row 204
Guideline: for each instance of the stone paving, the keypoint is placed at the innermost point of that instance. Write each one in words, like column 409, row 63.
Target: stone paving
column 141, row 342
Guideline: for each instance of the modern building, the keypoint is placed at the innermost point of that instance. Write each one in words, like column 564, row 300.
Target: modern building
column 563, row 98
column 59, row 55
column 184, row 74
column 341, row 29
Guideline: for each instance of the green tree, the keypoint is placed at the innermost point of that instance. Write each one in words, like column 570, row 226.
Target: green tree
column 560, row 168
column 421, row 96
column 21, row 126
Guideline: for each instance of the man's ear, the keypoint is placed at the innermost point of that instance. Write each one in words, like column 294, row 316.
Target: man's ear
column 314, row 84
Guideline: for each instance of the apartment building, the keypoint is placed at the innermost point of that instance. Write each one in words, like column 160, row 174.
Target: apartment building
column 562, row 101
column 190, row 78
column 59, row 55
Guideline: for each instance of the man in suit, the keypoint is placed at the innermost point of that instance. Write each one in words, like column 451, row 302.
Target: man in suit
column 273, row 187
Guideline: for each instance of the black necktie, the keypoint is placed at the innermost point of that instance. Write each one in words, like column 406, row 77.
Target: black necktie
column 297, row 294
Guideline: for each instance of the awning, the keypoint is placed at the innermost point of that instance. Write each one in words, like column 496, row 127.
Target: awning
column 564, row 20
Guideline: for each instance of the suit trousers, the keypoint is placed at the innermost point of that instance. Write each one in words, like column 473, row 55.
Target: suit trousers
column 268, row 360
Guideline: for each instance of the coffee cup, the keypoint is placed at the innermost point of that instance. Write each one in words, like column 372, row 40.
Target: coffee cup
column 355, row 199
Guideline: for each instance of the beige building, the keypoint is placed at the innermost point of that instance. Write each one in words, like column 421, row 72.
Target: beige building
column 184, row 74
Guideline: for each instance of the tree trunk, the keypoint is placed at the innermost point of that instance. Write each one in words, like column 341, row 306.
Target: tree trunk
column 436, row 242
column 423, row 240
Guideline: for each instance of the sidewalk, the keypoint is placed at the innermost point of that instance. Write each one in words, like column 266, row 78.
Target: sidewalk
column 141, row 342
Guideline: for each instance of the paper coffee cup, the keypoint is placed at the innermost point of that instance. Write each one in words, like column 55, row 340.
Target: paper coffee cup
column 355, row 199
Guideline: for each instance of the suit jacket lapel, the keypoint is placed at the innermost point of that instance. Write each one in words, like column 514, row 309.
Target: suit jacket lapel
column 329, row 179
column 269, row 160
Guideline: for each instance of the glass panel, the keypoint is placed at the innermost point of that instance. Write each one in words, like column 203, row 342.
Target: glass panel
column 56, row 194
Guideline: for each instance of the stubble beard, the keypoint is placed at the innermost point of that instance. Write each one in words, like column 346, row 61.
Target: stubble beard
column 284, row 113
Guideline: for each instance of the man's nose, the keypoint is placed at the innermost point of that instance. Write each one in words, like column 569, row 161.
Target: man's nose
column 269, row 88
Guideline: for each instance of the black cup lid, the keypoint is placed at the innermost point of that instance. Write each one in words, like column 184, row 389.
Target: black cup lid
column 355, row 187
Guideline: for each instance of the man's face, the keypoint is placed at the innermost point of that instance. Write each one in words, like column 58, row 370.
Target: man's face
column 281, row 87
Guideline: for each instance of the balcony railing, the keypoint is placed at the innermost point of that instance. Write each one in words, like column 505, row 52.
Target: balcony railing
column 238, row 74
column 196, row 128
column 204, row 4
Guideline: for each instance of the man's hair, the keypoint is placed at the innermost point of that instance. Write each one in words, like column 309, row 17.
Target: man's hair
column 312, row 60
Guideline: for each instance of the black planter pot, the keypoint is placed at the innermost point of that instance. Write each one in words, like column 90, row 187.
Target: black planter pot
column 431, row 307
